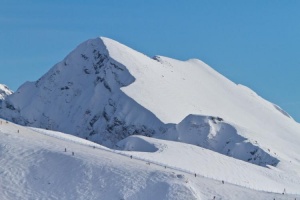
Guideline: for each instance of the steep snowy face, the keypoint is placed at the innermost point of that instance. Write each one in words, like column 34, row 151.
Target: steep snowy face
column 81, row 95
column 104, row 91
column 4, row 91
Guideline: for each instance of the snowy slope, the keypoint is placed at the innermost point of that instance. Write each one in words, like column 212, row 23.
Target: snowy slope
column 34, row 165
column 210, row 164
column 105, row 92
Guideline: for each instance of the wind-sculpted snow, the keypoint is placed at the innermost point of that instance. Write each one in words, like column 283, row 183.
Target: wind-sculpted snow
column 215, row 134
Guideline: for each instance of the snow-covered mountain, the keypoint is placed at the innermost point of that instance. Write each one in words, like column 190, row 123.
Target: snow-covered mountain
column 104, row 91
column 201, row 127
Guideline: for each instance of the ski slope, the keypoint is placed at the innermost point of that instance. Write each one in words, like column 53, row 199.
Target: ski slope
column 34, row 165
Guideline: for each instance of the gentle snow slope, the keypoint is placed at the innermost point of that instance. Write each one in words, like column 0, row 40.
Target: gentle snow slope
column 35, row 166
column 207, row 163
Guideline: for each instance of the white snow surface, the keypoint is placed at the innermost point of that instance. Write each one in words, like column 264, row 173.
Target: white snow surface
column 201, row 161
column 35, row 165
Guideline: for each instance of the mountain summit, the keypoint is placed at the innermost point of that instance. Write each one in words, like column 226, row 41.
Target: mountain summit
column 105, row 91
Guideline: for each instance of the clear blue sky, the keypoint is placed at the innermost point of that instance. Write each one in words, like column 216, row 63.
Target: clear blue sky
column 255, row 43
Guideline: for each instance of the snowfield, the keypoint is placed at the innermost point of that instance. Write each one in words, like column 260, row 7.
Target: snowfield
column 34, row 165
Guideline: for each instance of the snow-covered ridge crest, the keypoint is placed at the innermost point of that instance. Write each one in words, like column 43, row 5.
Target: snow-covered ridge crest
column 104, row 91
